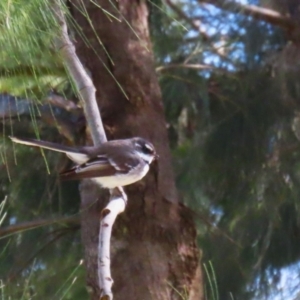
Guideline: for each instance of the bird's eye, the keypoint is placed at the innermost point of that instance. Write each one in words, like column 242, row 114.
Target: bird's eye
column 147, row 149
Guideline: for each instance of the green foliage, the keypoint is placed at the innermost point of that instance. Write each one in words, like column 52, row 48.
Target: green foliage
column 47, row 265
column 236, row 151
column 211, row 291
column 29, row 65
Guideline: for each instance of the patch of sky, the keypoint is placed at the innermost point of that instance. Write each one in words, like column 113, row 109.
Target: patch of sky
column 12, row 220
column 281, row 284
column 35, row 266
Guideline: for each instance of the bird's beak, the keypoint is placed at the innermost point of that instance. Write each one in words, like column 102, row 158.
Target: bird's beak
column 156, row 157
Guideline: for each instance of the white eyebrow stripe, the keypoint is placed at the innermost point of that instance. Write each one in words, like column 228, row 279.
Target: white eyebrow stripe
column 149, row 147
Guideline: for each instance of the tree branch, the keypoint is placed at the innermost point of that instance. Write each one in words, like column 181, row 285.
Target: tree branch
column 23, row 265
column 259, row 13
column 87, row 94
column 58, row 112
column 108, row 216
column 60, row 101
column 184, row 66
column 196, row 26
column 83, row 83
column 9, row 230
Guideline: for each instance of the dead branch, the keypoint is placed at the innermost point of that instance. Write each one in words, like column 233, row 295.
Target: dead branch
column 87, row 94
column 259, row 13
column 17, row 228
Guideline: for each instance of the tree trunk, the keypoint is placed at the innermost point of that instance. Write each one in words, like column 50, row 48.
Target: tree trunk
column 154, row 252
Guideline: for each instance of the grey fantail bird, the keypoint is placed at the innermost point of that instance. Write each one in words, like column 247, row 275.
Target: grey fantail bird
column 112, row 164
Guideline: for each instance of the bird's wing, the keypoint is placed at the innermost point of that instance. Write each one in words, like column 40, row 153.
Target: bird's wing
column 99, row 166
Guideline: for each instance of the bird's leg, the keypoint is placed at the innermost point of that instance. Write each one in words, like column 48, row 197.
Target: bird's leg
column 117, row 193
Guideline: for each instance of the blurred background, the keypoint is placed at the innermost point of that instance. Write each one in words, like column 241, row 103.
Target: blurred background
column 229, row 73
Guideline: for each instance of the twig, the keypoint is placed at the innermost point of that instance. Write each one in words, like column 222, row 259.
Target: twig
column 184, row 66
column 23, row 265
column 265, row 246
column 87, row 93
column 260, row 13
column 9, row 230
column 196, row 26
column 60, row 101
column 83, row 83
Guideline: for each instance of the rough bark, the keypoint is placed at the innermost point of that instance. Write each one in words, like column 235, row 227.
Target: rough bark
column 154, row 251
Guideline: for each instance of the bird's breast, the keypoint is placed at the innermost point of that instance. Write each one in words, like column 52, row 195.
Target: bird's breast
column 123, row 179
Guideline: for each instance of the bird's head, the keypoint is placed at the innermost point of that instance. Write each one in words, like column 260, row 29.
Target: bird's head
column 144, row 149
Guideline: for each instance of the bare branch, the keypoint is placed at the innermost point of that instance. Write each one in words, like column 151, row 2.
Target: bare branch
column 87, row 93
column 9, row 230
column 265, row 246
column 52, row 113
column 184, row 66
column 263, row 14
column 108, row 215
column 195, row 24
column 32, row 256
column 60, row 101
column 83, row 82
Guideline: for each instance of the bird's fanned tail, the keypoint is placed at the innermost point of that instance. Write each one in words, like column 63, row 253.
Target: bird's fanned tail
column 72, row 153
